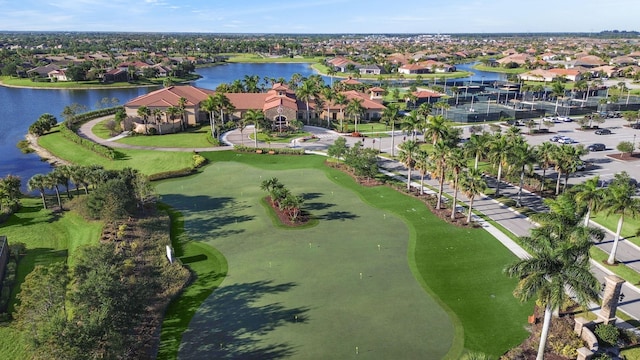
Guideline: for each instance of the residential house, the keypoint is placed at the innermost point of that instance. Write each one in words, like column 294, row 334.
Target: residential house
column 369, row 69
column 340, row 63
column 115, row 75
column 569, row 74
column 42, row 71
column 58, row 75
column 413, row 69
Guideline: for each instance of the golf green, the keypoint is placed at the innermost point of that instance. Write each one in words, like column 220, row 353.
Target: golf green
column 340, row 289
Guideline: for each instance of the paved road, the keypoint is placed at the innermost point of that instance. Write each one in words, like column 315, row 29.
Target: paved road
column 518, row 224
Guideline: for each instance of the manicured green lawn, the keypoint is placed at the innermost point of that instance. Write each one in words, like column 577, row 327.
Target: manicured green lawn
column 460, row 268
column 192, row 138
column 69, row 84
column 499, row 69
column 255, row 58
column 209, row 267
column 629, row 227
column 101, row 131
column 49, row 238
column 146, row 161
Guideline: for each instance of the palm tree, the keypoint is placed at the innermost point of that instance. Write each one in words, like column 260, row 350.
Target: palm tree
column 329, row 95
column 407, row 154
column 566, row 160
column 588, row 194
column 355, row 109
column 557, row 89
column 436, row 128
column 391, row 114
column 477, row 146
column 172, row 113
column 472, row 184
column 439, row 158
column 306, row 92
column 182, row 111
column 255, row 117
column 209, row 105
column 456, row 162
column 331, row 71
column 39, row 182
column 544, row 154
column 222, row 104
column 556, row 268
column 411, row 123
column 618, row 199
column 144, row 112
column 522, row 156
column 422, row 164
column 498, row 153
column 52, row 181
column 157, row 115
column 341, row 100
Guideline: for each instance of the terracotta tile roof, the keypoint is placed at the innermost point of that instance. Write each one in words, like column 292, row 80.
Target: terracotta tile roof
column 422, row 94
column 366, row 102
column 351, row 81
column 376, row 89
column 170, row 96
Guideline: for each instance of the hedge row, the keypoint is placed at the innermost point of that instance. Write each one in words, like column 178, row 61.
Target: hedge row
column 102, row 150
column 281, row 151
column 84, row 117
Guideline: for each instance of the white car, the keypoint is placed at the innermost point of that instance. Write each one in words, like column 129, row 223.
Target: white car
column 565, row 119
column 566, row 140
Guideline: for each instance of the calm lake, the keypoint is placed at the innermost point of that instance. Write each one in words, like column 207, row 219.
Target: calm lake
column 19, row 108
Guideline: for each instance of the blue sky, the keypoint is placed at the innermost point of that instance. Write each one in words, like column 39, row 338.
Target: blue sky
column 320, row 16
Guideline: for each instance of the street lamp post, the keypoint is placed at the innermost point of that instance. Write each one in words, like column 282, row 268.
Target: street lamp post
column 634, row 144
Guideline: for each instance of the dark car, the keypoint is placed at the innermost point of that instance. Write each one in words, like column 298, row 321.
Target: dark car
column 603, row 132
column 635, row 126
column 596, row 147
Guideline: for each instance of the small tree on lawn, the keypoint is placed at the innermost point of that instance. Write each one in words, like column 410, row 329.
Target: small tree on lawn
column 626, row 147
column 338, row 149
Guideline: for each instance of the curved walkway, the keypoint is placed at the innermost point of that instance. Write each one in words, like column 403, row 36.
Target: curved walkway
column 518, row 224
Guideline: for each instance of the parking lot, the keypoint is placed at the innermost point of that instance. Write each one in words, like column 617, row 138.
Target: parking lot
column 597, row 161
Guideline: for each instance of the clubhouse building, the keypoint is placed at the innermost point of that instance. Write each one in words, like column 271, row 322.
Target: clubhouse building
column 279, row 104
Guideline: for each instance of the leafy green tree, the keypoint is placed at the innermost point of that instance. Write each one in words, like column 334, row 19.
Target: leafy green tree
column 10, row 193
column 625, row 147
column 339, row 148
column 363, row 161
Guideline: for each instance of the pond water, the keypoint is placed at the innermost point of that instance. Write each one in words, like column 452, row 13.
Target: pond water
column 19, row 108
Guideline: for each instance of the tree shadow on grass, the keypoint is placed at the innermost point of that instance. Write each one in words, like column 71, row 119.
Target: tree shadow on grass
column 231, row 323
column 338, row 215
column 209, row 217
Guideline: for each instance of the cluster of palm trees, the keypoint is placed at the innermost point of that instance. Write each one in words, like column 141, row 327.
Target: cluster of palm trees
column 217, row 104
column 283, row 198
column 508, row 153
column 170, row 114
column 65, row 175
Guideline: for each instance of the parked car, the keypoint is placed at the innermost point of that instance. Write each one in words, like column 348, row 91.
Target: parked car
column 555, row 138
column 603, row 132
column 566, row 140
column 565, row 119
column 581, row 166
column 596, row 147
column 635, row 126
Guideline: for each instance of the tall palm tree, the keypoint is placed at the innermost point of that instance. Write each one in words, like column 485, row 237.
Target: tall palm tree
column 618, row 199
column 222, row 105
column 588, row 194
column 456, row 163
column 157, row 115
column 566, row 161
column 255, row 117
column 422, row 164
column 329, row 95
column 209, row 105
column 522, row 157
column 306, row 92
column 436, row 128
column 544, row 154
column 38, row 182
column 411, row 123
column 557, row 89
column 498, row 153
column 144, row 112
column 439, row 158
column 341, row 100
column 558, row 266
column 391, row 114
column 52, row 181
column 182, row 111
column 472, row 184
column 407, row 153
column 355, row 109
column 477, row 146
column 172, row 113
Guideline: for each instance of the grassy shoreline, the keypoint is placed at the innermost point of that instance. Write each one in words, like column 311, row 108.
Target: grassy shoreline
column 24, row 83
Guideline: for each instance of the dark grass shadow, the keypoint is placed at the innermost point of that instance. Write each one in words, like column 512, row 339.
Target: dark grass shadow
column 316, row 206
column 118, row 155
column 233, row 320
column 311, row 196
column 338, row 215
column 210, row 216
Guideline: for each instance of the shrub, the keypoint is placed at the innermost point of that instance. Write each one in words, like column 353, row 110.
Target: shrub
column 198, row 160
column 24, row 147
column 171, row 174
column 102, row 150
column 283, row 151
column 607, row 334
